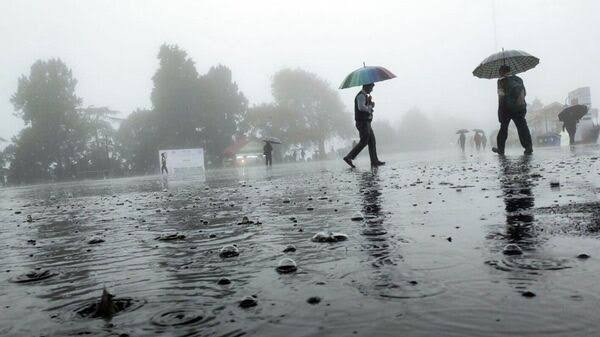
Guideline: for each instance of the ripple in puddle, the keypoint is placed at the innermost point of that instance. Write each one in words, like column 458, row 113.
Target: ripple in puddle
column 178, row 317
column 528, row 263
column 33, row 276
column 400, row 287
column 122, row 304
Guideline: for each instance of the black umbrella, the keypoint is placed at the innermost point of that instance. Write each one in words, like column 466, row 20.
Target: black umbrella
column 518, row 61
column 573, row 113
column 272, row 140
column 478, row 130
column 462, row 131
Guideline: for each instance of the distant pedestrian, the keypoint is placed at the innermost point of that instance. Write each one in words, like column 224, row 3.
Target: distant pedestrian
column 268, row 152
column 570, row 125
column 163, row 163
column 570, row 116
column 302, row 154
column 512, row 106
column 477, row 140
column 483, row 140
column 461, row 141
column 363, row 115
column 294, row 155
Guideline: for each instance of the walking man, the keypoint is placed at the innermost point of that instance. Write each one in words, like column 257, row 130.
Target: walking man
column 477, row 140
column 363, row 115
column 461, row 141
column 163, row 163
column 268, row 152
column 570, row 116
column 483, row 140
column 512, row 106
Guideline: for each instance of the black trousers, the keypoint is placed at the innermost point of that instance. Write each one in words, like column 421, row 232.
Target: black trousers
column 367, row 137
column 269, row 160
column 522, row 129
column 571, row 130
column 163, row 169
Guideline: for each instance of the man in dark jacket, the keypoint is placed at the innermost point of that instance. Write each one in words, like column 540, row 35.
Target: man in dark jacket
column 512, row 106
column 363, row 115
column 163, row 163
column 268, row 152
column 570, row 116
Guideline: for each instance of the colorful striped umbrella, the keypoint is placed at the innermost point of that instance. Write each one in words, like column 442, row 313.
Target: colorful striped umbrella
column 518, row 61
column 366, row 75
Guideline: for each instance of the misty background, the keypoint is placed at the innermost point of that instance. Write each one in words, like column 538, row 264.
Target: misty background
column 432, row 46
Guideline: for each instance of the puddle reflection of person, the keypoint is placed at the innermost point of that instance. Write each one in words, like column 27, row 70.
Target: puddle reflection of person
column 163, row 163
column 519, row 200
column 374, row 233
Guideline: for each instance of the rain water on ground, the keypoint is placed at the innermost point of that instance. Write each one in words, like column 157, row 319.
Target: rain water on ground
column 422, row 246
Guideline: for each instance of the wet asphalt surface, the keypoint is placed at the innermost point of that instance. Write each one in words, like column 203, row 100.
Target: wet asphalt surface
column 423, row 250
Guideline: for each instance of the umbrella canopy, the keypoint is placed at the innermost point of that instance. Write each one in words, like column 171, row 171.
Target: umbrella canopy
column 272, row 140
column 573, row 113
column 478, row 130
column 518, row 61
column 462, row 131
column 366, row 75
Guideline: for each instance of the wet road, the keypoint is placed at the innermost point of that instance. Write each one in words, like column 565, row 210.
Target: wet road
column 424, row 254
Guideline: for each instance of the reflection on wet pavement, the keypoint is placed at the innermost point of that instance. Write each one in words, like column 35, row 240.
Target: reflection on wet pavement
column 422, row 250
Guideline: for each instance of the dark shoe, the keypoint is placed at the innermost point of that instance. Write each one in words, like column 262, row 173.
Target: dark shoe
column 349, row 162
column 528, row 152
column 378, row 163
column 495, row 150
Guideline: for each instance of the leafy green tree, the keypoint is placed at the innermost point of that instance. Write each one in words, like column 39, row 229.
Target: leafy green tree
column 101, row 154
column 60, row 140
column 175, row 99
column 51, row 144
column 306, row 110
column 225, row 108
column 138, row 142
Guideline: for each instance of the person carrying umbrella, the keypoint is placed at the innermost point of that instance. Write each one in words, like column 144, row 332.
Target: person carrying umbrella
column 483, row 140
column 477, row 140
column 268, row 152
column 570, row 116
column 462, row 138
column 511, row 93
column 163, row 163
column 512, row 106
column 363, row 110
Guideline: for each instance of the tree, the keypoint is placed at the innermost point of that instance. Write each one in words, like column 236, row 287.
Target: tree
column 60, row 140
column 101, row 152
column 225, row 108
column 386, row 135
column 416, row 131
column 175, row 99
column 306, row 110
column 51, row 143
column 138, row 142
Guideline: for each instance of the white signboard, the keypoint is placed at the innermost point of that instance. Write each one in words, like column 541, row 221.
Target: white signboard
column 181, row 162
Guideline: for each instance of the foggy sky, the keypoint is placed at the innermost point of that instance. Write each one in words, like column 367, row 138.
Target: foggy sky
column 432, row 46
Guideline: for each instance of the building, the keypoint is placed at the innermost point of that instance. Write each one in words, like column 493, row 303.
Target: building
column 544, row 124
